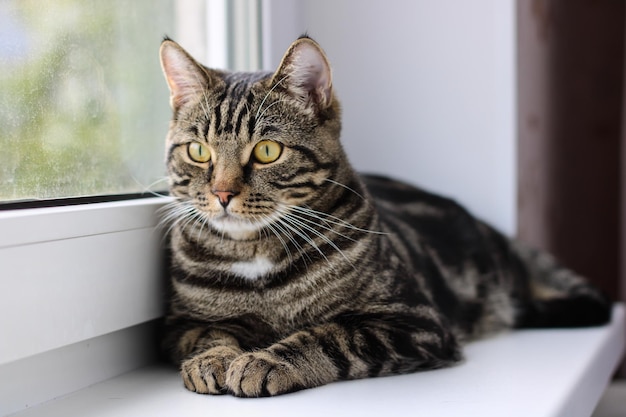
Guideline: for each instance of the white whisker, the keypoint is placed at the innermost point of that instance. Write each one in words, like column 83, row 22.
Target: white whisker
column 288, row 224
column 178, row 213
column 329, row 218
column 295, row 243
column 268, row 225
column 303, row 226
column 146, row 189
column 267, row 95
column 345, row 186
column 271, row 105
column 326, row 226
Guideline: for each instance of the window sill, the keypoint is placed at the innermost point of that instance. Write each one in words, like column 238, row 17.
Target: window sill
column 522, row 373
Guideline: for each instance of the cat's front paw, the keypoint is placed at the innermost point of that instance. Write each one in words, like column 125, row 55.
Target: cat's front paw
column 261, row 374
column 205, row 373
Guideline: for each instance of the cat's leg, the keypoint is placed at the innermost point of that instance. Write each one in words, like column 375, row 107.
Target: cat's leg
column 353, row 346
column 205, row 355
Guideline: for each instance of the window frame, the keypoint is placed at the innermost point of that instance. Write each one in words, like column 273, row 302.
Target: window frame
column 110, row 252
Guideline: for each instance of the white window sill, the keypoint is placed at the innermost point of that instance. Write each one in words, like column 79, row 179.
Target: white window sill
column 523, row 373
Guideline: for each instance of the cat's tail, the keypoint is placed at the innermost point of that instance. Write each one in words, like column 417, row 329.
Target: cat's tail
column 558, row 297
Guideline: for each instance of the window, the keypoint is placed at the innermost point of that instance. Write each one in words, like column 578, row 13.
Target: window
column 84, row 106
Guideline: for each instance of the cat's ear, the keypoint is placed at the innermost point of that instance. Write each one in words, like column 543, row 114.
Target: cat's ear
column 305, row 73
column 185, row 77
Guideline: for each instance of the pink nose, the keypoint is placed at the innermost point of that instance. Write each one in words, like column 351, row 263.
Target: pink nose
column 224, row 196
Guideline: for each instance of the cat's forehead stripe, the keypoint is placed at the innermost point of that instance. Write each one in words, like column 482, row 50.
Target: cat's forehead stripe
column 205, row 129
column 236, row 101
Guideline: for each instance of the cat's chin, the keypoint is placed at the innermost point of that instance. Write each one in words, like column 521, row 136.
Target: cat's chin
column 235, row 228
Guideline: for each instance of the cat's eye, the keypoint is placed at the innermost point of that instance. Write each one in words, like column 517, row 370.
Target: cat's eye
column 198, row 152
column 267, row 151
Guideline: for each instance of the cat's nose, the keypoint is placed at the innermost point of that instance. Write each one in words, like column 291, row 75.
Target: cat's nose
column 225, row 196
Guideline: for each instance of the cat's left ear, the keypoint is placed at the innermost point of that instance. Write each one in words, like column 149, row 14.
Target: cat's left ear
column 305, row 72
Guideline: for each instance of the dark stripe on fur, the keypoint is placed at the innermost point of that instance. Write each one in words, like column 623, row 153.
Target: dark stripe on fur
column 205, row 129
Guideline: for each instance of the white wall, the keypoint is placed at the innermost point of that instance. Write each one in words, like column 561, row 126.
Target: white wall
column 428, row 90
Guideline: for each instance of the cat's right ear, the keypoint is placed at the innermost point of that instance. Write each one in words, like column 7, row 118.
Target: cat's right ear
column 306, row 74
column 185, row 77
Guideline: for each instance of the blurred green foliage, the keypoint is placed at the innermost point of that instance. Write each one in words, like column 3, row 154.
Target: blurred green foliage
column 83, row 104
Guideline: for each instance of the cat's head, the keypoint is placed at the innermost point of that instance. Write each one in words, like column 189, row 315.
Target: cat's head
column 244, row 149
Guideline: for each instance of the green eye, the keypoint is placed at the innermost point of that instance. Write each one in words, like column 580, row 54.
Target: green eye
column 267, row 151
column 198, row 152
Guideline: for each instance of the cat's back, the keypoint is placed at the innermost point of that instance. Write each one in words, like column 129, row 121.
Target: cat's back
column 421, row 225
column 449, row 251
column 399, row 202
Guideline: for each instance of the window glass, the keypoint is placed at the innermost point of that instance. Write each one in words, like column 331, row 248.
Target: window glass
column 83, row 104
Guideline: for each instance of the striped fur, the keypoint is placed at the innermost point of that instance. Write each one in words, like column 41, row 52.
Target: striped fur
column 299, row 272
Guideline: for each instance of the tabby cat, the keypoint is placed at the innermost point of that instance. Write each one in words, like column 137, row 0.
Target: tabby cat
column 289, row 270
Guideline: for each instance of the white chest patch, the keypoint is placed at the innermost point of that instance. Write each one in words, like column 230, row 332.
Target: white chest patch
column 254, row 269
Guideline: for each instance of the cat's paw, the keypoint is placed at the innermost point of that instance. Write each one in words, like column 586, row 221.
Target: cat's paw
column 261, row 374
column 205, row 373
